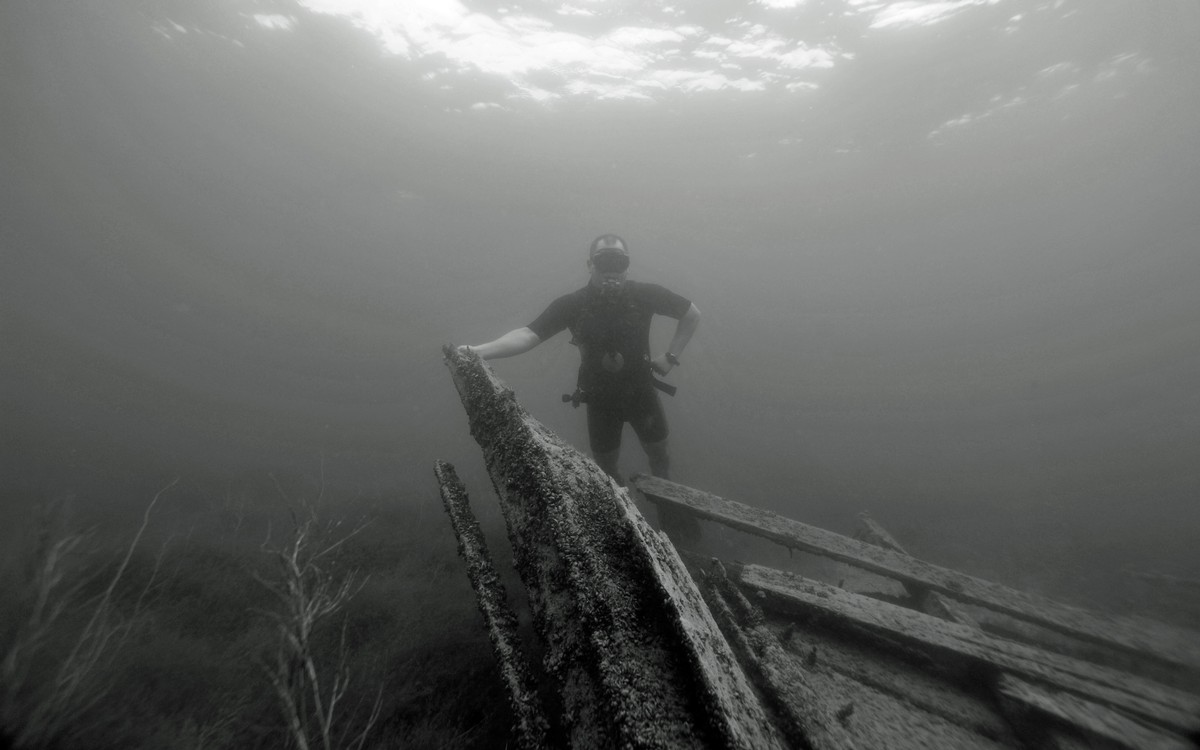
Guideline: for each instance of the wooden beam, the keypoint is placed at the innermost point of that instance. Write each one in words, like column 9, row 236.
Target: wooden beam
column 1098, row 724
column 533, row 728
column 1006, row 626
column 871, row 532
column 929, row 602
column 809, row 715
column 1002, row 626
column 884, row 670
column 846, row 697
column 1173, row 648
column 1171, row 709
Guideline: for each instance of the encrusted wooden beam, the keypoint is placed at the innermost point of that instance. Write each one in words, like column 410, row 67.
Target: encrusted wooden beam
column 533, row 729
column 809, row 716
column 1099, row 725
column 637, row 659
column 1171, row 648
column 1150, row 702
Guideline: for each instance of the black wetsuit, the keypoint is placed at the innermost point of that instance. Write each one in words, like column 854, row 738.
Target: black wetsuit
column 613, row 335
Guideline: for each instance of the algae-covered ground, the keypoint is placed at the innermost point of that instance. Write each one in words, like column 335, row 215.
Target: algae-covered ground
column 191, row 629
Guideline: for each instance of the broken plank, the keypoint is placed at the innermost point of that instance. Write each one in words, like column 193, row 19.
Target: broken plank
column 1010, row 628
column 1173, row 648
column 853, row 578
column 871, row 532
column 1099, row 724
column 1172, row 709
column 809, row 716
column 887, row 672
column 929, row 602
column 533, row 729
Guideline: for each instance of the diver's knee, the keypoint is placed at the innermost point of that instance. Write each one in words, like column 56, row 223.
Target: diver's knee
column 607, row 460
column 657, row 448
column 660, row 458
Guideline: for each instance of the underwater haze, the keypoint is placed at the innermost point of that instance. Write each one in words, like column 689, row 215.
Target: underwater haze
column 946, row 253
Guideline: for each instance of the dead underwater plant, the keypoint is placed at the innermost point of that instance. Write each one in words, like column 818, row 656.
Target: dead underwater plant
column 309, row 592
column 55, row 664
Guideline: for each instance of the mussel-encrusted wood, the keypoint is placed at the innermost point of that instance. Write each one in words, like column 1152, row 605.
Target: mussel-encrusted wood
column 634, row 652
column 533, row 728
column 1150, row 702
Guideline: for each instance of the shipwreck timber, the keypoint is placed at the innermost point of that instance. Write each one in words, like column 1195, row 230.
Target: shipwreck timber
column 636, row 657
column 639, row 651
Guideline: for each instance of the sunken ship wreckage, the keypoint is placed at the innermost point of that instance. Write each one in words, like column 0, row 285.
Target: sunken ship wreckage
column 640, row 647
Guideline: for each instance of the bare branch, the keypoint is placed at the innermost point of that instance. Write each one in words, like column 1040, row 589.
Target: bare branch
column 39, row 715
column 308, row 593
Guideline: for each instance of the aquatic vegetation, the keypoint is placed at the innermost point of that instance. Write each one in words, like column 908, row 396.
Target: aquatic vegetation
column 338, row 633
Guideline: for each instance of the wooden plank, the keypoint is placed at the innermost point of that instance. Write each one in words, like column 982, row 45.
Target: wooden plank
column 1166, row 707
column 533, row 728
column 942, row 606
column 1010, row 628
column 871, row 532
column 1098, row 724
column 888, row 673
column 826, row 698
column 809, row 715
column 1172, row 647
column 929, row 602
column 859, row 581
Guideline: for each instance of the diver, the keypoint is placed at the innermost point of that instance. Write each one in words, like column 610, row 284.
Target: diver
column 609, row 320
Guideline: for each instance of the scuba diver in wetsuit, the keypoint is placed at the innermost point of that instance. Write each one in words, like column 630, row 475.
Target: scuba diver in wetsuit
column 609, row 320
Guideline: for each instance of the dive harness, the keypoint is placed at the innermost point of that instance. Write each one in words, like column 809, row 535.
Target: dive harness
column 580, row 395
column 613, row 298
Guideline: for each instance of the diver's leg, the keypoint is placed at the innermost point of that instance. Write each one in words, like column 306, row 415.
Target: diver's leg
column 659, row 456
column 604, row 436
column 681, row 526
column 651, row 427
column 650, row 423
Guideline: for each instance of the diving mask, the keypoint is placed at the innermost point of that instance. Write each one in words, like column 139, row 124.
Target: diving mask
column 610, row 262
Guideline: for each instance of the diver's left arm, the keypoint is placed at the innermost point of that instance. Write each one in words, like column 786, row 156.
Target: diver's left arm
column 683, row 334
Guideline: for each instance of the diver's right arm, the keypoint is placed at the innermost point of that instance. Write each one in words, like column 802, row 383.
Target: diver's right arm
column 510, row 344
